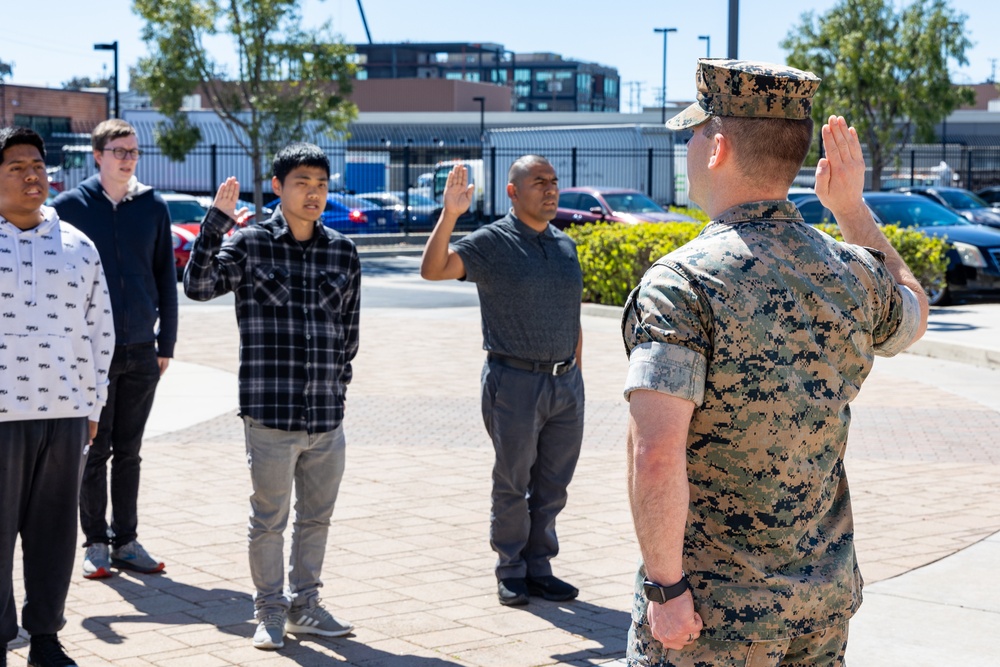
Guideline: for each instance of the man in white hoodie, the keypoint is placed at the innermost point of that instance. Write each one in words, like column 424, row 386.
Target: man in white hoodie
column 56, row 342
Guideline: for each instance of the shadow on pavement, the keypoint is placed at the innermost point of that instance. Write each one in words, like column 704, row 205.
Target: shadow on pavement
column 164, row 601
column 606, row 627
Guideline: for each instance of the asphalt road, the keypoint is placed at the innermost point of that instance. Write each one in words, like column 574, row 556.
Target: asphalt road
column 390, row 282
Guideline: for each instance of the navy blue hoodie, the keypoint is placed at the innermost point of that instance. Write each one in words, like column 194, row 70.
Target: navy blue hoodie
column 137, row 252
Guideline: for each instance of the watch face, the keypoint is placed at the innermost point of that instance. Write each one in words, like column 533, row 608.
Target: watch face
column 653, row 592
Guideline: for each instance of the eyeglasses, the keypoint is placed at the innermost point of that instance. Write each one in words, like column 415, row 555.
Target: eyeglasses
column 122, row 153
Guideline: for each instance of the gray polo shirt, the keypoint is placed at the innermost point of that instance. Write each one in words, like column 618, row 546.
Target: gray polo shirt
column 530, row 286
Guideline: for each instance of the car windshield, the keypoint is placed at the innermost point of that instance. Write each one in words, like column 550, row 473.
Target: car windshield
column 186, row 211
column 962, row 200
column 632, row 202
column 353, row 202
column 919, row 212
column 421, row 200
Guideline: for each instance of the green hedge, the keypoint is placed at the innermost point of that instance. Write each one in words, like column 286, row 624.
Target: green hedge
column 614, row 256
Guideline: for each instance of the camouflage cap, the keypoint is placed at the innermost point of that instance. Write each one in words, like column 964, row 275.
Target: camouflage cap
column 748, row 89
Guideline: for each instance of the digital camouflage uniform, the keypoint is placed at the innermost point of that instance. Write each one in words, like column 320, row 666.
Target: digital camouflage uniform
column 769, row 326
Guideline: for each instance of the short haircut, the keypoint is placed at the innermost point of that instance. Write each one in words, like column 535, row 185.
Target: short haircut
column 19, row 136
column 109, row 130
column 299, row 154
column 523, row 165
column 766, row 148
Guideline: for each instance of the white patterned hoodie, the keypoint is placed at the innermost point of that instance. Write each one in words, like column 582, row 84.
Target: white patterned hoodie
column 57, row 334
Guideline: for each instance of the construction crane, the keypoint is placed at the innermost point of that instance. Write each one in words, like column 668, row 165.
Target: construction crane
column 365, row 22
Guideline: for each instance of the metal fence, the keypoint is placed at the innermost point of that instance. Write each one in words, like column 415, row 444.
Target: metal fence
column 658, row 172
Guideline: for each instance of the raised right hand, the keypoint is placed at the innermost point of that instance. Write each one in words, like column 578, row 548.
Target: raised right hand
column 457, row 191
column 226, row 198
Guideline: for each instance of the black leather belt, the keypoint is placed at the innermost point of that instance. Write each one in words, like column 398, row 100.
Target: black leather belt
column 557, row 368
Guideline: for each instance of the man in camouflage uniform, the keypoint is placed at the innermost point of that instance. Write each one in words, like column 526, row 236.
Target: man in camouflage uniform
column 746, row 347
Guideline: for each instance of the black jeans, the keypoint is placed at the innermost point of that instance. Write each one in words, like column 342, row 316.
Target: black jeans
column 39, row 477
column 132, row 385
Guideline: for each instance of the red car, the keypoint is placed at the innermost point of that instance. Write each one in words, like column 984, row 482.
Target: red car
column 578, row 206
column 186, row 214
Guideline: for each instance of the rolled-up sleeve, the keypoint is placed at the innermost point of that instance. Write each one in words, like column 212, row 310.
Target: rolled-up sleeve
column 666, row 329
column 898, row 332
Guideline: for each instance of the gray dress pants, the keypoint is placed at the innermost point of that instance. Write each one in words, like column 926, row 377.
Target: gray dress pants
column 536, row 423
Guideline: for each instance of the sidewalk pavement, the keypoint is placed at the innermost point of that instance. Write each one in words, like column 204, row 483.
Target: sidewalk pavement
column 409, row 561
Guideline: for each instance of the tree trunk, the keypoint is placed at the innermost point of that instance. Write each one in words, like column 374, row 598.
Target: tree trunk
column 258, row 187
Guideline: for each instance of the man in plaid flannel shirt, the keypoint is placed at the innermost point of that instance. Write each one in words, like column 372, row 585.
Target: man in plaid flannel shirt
column 297, row 287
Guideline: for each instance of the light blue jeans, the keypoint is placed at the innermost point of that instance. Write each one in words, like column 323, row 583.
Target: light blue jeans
column 315, row 463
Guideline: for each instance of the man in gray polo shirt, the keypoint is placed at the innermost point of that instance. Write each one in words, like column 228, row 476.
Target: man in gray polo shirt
column 530, row 287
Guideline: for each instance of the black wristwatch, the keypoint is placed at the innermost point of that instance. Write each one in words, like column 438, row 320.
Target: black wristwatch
column 660, row 594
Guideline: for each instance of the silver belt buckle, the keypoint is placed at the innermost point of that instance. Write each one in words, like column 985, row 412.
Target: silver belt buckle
column 555, row 366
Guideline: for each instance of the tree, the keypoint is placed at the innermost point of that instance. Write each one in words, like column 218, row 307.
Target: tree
column 287, row 75
column 886, row 71
column 81, row 82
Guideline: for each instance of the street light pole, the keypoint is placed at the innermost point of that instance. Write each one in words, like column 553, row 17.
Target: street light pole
column 113, row 46
column 482, row 116
column 663, row 101
column 708, row 44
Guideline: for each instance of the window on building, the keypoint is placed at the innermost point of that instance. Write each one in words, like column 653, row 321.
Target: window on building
column 522, row 75
column 472, row 76
column 498, row 76
column 584, row 83
column 522, row 90
column 610, row 87
column 470, row 59
column 453, row 76
column 542, row 106
column 43, row 125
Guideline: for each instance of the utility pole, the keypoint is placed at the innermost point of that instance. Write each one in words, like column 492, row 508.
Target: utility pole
column 113, row 46
column 708, row 44
column 663, row 102
column 734, row 28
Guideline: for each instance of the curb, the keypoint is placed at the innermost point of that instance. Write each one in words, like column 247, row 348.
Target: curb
column 965, row 354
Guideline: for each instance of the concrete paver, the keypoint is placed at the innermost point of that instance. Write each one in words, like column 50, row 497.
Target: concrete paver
column 409, row 561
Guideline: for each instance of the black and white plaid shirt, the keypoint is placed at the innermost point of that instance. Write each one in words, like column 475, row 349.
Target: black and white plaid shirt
column 297, row 305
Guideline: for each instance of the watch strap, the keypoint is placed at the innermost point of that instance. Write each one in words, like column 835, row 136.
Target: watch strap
column 656, row 593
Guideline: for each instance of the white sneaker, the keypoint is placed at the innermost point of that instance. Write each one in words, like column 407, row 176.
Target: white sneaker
column 270, row 634
column 316, row 620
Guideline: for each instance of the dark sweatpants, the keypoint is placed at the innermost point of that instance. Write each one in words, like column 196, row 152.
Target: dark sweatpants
column 40, row 466
column 536, row 423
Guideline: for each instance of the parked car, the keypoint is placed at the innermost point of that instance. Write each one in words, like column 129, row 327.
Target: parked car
column 186, row 214
column 578, row 206
column 973, row 250
column 964, row 202
column 349, row 214
column 990, row 195
column 813, row 212
column 422, row 211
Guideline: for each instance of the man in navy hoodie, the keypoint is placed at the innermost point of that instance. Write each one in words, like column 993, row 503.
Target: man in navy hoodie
column 56, row 342
column 130, row 225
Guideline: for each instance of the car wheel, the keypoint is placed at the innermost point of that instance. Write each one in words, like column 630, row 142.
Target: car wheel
column 938, row 296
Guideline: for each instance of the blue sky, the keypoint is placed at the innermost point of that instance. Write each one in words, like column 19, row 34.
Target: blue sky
column 53, row 42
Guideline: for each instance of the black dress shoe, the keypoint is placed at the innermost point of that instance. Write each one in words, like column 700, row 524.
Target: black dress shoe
column 512, row 592
column 551, row 588
column 46, row 651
